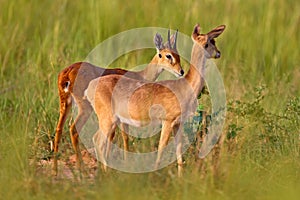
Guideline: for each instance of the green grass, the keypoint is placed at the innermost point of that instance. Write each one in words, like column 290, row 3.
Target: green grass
column 260, row 154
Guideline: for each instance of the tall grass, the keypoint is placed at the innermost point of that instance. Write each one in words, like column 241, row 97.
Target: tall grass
column 259, row 157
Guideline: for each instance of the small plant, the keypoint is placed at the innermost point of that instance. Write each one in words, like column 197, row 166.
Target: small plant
column 274, row 132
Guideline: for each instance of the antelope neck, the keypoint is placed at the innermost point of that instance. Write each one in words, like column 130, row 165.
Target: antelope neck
column 151, row 71
column 195, row 75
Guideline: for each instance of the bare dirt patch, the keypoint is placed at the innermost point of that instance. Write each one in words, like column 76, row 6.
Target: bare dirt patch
column 67, row 168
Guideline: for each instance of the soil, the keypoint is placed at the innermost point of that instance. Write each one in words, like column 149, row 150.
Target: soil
column 67, row 168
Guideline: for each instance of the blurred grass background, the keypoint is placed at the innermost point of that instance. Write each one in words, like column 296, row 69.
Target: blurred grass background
column 260, row 46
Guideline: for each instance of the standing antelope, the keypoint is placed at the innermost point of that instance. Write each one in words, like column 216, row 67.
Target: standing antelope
column 166, row 58
column 176, row 99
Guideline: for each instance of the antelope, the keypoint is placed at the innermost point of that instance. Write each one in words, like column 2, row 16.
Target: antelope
column 176, row 99
column 166, row 58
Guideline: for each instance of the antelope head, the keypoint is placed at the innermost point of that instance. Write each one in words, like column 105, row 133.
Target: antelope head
column 207, row 41
column 167, row 54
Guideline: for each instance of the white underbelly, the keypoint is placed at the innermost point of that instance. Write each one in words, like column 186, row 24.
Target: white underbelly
column 139, row 123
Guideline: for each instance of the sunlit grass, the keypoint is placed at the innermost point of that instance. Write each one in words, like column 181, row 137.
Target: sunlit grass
column 259, row 46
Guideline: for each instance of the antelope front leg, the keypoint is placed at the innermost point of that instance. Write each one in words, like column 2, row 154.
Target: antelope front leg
column 98, row 141
column 104, row 139
column 96, row 144
column 178, row 140
column 109, row 143
column 163, row 141
column 124, row 131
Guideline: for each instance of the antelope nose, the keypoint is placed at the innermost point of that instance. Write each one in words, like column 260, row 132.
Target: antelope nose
column 218, row 54
column 181, row 72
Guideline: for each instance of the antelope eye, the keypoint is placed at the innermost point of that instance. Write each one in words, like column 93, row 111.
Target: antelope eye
column 206, row 46
column 168, row 56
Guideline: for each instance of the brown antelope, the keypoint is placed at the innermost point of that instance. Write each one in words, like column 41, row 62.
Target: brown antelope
column 82, row 72
column 176, row 99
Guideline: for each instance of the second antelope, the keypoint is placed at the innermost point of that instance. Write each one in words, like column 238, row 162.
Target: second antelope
column 73, row 80
column 176, row 99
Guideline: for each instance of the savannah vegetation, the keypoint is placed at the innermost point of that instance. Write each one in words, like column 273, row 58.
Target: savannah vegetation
column 258, row 156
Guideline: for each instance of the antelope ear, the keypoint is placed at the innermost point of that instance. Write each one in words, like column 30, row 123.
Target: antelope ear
column 158, row 41
column 169, row 42
column 172, row 42
column 216, row 32
column 172, row 39
column 196, row 31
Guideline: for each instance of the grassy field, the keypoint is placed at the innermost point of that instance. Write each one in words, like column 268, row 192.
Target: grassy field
column 259, row 156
